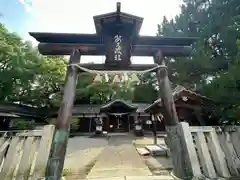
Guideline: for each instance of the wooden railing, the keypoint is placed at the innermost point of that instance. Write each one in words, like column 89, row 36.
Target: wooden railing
column 24, row 155
column 211, row 152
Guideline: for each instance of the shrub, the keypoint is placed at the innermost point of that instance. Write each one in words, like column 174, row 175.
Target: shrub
column 21, row 124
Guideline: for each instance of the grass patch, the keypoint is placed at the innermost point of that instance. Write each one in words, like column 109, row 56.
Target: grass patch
column 81, row 174
column 66, row 172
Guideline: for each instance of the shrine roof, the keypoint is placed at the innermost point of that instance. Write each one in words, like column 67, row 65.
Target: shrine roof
column 177, row 93
column 111, row 17
column 18, row 111
column 94, row 109
column 12, row 110
column 117, row 17
column 80, row 109
column 118, row 103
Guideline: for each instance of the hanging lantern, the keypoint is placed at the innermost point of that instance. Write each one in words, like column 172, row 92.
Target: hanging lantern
column 97, row 79
column 116, row 79
column 135, row 78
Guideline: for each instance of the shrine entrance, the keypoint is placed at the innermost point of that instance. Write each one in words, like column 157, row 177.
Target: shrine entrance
column 118, row 123
column 117, row 38
column 119, row 116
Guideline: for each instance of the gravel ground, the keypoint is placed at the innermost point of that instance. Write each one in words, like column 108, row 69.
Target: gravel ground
column 81, row 143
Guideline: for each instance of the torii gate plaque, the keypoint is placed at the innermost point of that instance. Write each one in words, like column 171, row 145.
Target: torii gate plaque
column 117, row 37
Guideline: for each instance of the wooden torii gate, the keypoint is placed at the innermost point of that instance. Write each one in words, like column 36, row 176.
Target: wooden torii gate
column 118, row 39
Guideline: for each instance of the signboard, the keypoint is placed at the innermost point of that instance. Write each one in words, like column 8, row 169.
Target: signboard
column 118, row 48
column 117, row 44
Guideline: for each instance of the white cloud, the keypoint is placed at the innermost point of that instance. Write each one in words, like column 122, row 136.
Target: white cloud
column 27, row 5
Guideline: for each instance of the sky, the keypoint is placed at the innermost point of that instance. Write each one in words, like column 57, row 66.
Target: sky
column 75, row 16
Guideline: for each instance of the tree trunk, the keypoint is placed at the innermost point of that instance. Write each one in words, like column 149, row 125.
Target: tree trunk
column 60, row 140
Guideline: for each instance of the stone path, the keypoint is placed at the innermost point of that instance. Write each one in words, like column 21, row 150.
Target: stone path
column 79, row 143
column 81, row 154
column 78, row 164
column 135, row 178
column 119, row 159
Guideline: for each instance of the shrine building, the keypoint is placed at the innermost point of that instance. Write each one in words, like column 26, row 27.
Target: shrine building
column 117, row 115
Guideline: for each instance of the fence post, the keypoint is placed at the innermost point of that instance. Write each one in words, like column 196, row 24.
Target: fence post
column 184, row 156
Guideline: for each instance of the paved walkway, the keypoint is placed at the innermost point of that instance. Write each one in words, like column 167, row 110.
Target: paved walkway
column 81, row 154
column 119, row 159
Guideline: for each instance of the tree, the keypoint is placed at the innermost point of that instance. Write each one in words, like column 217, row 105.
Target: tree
column 213, row 65
column 146, row 91
column 100, row 93
column 217, row 29
column 26, row 77
column 225, row 89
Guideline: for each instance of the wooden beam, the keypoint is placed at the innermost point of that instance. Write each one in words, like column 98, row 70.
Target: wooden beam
column 94, row 38
column 169, row 109
column 59, row 144
column 169, row 41
column 132, row 67
column 170, row 51
column 66, row 48
column 100, row 50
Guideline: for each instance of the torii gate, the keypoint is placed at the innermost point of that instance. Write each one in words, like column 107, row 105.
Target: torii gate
column 117, row 37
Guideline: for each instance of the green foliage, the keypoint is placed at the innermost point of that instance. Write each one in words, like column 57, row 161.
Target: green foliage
column 100, row 93
column 21, row 124
column 215, row 55
column 25, row 75
column 146, row 90
column 74, row 126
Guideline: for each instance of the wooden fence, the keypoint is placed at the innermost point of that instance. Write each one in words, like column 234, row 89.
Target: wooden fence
column 211, row 152
column 24, row 155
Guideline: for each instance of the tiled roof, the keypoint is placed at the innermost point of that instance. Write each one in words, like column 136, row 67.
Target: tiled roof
column 129, row 104
column 95, row 109
column 176, row 95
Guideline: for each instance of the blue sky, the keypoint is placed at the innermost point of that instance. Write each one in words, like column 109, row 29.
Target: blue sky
column 15, row 16
column 75, row 16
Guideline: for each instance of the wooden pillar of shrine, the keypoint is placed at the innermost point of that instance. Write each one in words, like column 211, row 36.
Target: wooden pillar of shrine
column 175, row 139
column 59, row 144
column 165, row 92
column 154, row 128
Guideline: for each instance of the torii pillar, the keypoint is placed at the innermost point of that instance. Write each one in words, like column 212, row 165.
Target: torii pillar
column 60, row 140
column 175, row 139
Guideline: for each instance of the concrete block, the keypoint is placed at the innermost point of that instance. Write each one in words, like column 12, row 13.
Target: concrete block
column 156, row 150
